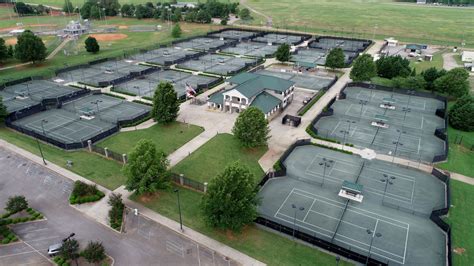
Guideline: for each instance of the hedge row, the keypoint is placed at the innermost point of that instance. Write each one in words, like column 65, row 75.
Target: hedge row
column 34, row 215
column 311, row 103
column 60, row 261
column 86, row 199
column 114, row 95
column 8, row 235
column 83, row 193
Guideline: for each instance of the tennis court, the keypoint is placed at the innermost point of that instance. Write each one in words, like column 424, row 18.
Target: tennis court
column 303, row 80
column 146, row 85
column 234, row 34
column 107, row 108
column 279, row 38
column 64, row 126
column 389, row 123
column 203, row 43
column 392, row 219
column 103, row 74
column 164, row 56
column 253, row 49
column 30, row 93
column 218, row 64
column 328, row 43
column 318, row 56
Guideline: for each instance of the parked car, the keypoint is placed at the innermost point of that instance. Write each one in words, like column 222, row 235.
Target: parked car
column 53, row 250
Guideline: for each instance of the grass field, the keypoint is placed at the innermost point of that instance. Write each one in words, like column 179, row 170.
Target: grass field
column 88, row 165
column 363, row 18
column 211, row 158
column 265, row 246
column 423, row 65
column 167, row 138
column 462, row 219
column 460, row 157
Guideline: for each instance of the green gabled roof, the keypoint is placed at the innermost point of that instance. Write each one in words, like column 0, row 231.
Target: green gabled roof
column 265, row 102
column 348, row 185
column 251, row 84
column 217, row 98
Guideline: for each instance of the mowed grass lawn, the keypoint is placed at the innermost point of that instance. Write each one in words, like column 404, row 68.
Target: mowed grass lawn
column 88, row 165
column 211, row 158
column 460, row 157
column 407, row 22
column 265, row 246
column 461, row 218
column 167, row 138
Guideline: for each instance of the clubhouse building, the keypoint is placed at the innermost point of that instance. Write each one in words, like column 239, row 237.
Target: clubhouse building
column 267, row 93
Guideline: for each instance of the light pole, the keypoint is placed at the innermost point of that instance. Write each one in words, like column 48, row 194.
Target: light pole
column 96, row 102
column 326, row 164
column 294, row 220
column 179, row 209
column 37, row 141
column 406, row 110
column 362, row 103
column 388, row 180
column 397, row 143
column 372, row 234
column 337, row 260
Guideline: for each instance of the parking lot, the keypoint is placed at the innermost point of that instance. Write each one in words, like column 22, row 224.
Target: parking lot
column 143, row 243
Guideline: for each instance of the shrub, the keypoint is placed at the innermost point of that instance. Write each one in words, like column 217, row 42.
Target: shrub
column 83, row 193
column 16, row 204
column 5, row 241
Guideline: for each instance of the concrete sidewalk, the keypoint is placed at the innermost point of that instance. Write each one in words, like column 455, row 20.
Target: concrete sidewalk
column 99, row 210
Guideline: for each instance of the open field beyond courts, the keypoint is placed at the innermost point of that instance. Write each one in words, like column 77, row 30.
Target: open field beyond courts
column 210, row 159
column 460, row 157
column 460, row 217
column 167, row 138
column 437, row 25
column 265, row 246
column 103, row 171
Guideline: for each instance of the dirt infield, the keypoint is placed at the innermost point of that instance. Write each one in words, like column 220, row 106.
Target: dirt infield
column 11, row 41
column 109, row 36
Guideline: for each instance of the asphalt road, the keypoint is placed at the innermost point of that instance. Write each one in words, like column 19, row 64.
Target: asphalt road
column 144, row 243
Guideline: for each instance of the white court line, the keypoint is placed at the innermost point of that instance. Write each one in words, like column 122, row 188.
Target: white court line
column 281, row 206
column 337, row 125
column 337, row 219
column 352, row 207
column 309, row 210
column 375, row 228
column 337, row 234
column 407, row 177
column 406, row 244
column 350, row 210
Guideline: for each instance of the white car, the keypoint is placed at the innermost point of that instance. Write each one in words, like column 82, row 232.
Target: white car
column 53, row 250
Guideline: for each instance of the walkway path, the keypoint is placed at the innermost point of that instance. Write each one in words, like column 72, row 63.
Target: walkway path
column 98, row 211
column 268, row 18
column 60, row 46
column 449, row 62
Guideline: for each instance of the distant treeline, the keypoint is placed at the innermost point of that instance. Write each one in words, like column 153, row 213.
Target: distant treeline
column 444, row 2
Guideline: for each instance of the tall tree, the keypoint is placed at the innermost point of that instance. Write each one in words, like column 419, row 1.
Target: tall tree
column 3, row 51
column 16, row 204
column 430, row 75
column 176, row 32
column 68, row 7
column 92, row 46
column 146, row 169
column 70, row 250
column 283, row 53
column 165, row 103
column 251, row 128
column 94, row 252
column 95, row 12
column 3, row 111
column 393, row 66
column 11, row 51
column 245, row 14
column 461, row 114
column 455, row 83
column 364, row 68
column 30, row 47
column 335, row 58
column 127, row 10
column 231, row 198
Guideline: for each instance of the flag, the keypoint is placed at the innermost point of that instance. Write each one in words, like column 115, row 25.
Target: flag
column 190, row 92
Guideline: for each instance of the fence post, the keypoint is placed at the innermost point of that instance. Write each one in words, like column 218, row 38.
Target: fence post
column 106, row 150
column 205, row 187
column 181, row 179
column 124, row 158
column 89, row 145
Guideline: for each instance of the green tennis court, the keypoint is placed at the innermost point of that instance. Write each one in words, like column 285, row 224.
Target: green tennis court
column 389, row 123
column 392, row 219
